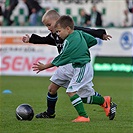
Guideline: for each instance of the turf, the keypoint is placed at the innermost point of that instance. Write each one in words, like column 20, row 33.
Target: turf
column 33, row 90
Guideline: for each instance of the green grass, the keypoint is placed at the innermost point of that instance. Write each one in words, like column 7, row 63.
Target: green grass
column 33, row 90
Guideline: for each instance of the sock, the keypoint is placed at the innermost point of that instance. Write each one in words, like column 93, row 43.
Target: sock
column 78, row 105
column 94, row 100
column 51, row 102
column 97, row 94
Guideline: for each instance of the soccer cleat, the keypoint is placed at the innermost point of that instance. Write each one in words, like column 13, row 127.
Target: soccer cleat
column 113, row 107
column 106, row 105
column 45, row 115
column 81, row 119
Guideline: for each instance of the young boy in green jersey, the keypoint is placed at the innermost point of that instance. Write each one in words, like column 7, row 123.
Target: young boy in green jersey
column 79, row 72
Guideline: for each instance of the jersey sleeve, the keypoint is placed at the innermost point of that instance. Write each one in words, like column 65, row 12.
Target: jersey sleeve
column 36, row 39
column 94, row 32
column 90, row 40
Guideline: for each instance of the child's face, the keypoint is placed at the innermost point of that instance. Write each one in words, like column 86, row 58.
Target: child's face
column 62, row 32
column 50, row 23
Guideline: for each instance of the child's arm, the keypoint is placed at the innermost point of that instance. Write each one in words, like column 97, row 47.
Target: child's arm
column 40, row 66
column 99, row 33
column 36, row 39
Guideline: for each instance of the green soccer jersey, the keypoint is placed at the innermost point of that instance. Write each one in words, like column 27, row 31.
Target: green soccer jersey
column 75, row 49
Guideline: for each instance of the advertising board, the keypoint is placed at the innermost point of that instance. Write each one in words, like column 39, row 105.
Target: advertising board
column 17, row 57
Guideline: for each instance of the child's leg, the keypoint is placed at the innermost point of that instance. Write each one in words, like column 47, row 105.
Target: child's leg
column 51, row 103
column 78, row 105
column 93, row 100
column 99, row 100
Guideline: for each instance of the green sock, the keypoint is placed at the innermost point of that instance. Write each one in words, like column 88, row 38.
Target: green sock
column 78, row 105
column 94, row 100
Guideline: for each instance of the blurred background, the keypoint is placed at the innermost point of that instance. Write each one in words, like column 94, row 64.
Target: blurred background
column 111, row 13
column 20, row 17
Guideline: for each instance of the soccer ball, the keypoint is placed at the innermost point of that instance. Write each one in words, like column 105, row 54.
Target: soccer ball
column 24, row 112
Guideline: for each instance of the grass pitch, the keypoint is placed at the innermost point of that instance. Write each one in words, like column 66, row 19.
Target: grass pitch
column 33, row 90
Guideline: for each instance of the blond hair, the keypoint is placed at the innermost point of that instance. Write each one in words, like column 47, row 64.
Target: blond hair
column 53, row 14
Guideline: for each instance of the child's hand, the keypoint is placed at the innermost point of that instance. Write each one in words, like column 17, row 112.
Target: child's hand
column 38, row 67
column 26, row 38
column 106, row 37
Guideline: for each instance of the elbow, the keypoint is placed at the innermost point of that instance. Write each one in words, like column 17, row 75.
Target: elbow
column 95, row 41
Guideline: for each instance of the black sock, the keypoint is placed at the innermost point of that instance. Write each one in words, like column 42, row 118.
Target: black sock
column 51, row 102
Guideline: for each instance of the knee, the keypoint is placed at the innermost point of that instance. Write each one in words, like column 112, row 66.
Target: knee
column 70, row 94
column 53, row 89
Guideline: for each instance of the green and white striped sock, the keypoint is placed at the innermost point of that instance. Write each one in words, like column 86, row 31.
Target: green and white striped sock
column 94, row 100
column 78, row 105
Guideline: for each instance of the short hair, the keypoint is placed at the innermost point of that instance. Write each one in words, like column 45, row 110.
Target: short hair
column 53, row 14
column 65, row 21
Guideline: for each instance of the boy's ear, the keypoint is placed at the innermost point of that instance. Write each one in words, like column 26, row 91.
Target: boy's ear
column 68, row 28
